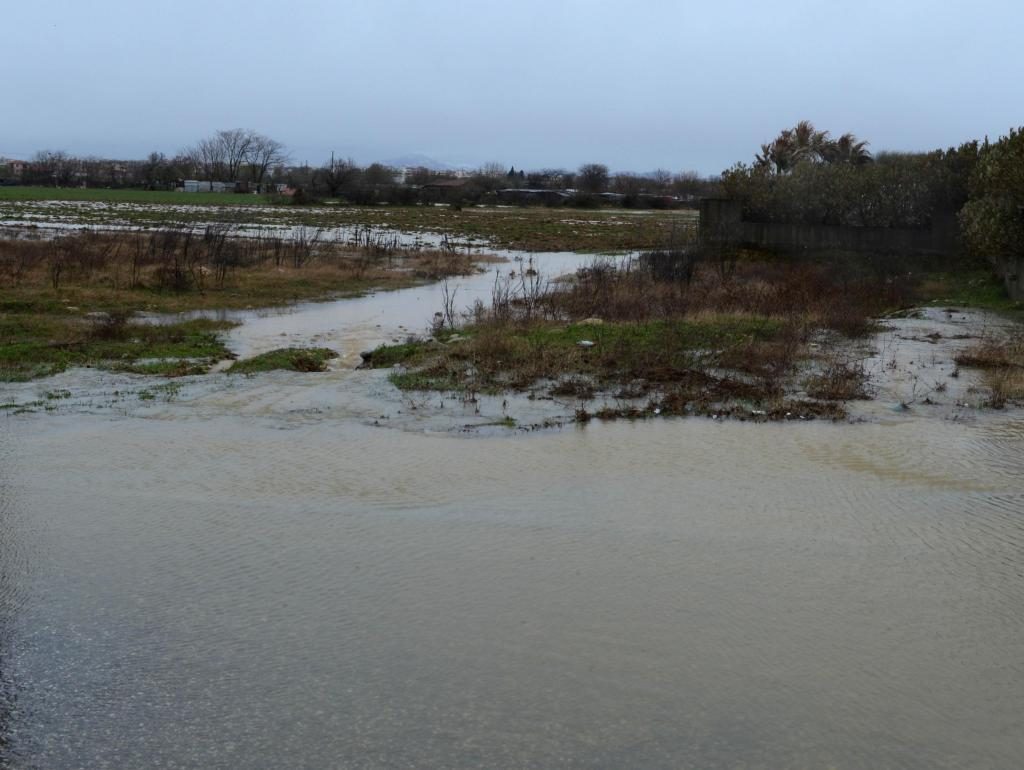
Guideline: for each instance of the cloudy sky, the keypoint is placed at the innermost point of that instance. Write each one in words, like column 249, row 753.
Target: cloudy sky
column 638, row 85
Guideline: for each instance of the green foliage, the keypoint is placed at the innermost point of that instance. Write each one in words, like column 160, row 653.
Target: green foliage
column 386, row 356
column 709, row 333
column 993, row 219
column 292, row 359
column 897, row 190
column 804, row 144
column 493, row 357
column 969, row 288
column 34, row 346
column 417, row 380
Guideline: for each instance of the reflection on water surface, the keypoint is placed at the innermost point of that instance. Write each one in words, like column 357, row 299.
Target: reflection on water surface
column 223, row 592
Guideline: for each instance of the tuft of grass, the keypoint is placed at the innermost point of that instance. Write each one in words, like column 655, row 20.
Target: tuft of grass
column 839, row 381
column 439, row 379
column 970, row 288
column 386, row 356
column 495, row 357
column 1002, row 360
column 291, row 359
column 993, row 353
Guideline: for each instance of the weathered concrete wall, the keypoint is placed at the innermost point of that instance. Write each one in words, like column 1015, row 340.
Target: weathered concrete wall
column 1012, row 270
column 902, row 240
column 722, row 220
column 719, row 212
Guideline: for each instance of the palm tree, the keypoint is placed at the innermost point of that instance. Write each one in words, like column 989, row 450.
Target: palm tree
column 802, row 143
column 808, row 143
column 847, row 149
column 777, row 156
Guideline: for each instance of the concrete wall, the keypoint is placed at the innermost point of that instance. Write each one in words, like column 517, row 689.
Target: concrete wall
column 722, row 220
column 1012, row 270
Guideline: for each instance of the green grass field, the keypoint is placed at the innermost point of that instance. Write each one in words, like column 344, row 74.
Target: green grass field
column 130, row 196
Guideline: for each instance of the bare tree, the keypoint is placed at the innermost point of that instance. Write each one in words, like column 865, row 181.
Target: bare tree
column 493, row 169
column 224, row 156
column 264, row 153
column 207, row 158
column 236, row 145
column 661, row 180
column 335, row 176
column 53, row 167
column 593, row 177
column 628, row 184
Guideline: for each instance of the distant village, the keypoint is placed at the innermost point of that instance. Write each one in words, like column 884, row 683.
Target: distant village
column 200, row 170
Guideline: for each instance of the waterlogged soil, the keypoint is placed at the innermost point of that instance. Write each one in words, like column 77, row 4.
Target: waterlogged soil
column 292, row 569
column 531, row 228
column 908, row 366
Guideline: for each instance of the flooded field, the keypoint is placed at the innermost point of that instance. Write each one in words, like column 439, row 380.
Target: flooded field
column 536, row 228
column 295, row 570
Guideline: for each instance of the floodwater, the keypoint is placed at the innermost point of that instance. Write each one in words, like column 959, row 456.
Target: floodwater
column 312, row 571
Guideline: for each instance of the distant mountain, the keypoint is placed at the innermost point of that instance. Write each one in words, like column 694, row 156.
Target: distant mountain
column 418, row 160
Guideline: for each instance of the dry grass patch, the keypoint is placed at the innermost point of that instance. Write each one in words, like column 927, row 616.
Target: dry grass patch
column 1002, row 360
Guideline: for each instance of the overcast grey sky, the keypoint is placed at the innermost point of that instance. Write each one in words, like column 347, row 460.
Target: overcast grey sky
column 637, row 85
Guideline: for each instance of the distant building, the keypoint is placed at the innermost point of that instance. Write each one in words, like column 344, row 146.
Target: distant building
column 518, row 195
column 198, row 186
column 12, row 167
column 443, row 190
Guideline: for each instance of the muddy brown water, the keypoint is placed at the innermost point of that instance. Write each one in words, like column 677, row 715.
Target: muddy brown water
column 254, row 574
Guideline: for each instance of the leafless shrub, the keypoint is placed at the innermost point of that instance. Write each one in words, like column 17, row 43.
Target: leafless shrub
column 1002, row 358
column 840, row 380
column 302, row 245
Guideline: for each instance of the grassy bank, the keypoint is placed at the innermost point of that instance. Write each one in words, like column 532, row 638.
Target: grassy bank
column 765, row 341
column 175, row 270
column 288, row 359
column 737, row 365
column 977, row 288
column 682, row 333
column 69, row 301
column 39, row 345
column 260, row 286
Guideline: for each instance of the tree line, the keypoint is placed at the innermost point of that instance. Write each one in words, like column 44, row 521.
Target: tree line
column 245, row 155
column 227, row 156
column 804, row 176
